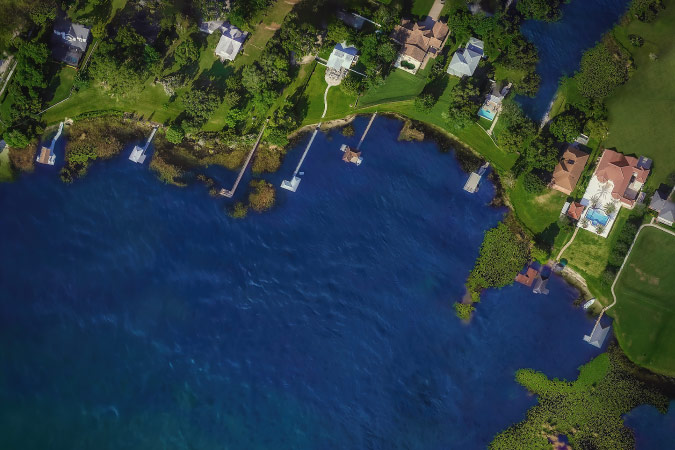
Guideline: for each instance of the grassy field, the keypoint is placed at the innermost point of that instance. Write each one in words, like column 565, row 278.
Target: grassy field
column 64, row 82
column 149, row 104
column 589, row 254
column 5, row 169
column 263, row 32
column 641, row 111
column 645, row 308
column 537, row 213
column 399, row 85
column 421, row 7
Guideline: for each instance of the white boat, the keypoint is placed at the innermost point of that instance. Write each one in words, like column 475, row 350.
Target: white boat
column 589, row 303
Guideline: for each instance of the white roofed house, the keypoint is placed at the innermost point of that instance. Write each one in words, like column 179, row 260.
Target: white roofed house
column 230, row 42
column 339, row 62
column 465, row 60
column 210, row 26
column 69, row 41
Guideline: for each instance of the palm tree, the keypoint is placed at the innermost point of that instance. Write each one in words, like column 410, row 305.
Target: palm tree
column 584, row 222
column 595, row 201
column 600, row 228
column 610, row 208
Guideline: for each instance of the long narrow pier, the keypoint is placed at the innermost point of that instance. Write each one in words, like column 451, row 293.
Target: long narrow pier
column 230, row 192
column 358, row 146
column 292, row 184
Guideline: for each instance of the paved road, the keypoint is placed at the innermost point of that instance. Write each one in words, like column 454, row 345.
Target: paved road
column 435, row 11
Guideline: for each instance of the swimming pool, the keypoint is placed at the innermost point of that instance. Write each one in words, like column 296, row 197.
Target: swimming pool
column 489, row 115
column 597, row 217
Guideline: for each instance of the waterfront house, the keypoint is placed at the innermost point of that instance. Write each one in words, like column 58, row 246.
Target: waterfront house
column 465, row 60
column 493, row 102
column 420, row 41
column 210, row 26
column 527, row 277
column 69, row 41
column 616, row 183
column 230, row 42
column 568, row 171
column 663, row 205
column 341, row 59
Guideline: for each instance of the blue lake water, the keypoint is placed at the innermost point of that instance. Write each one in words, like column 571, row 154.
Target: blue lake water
column 139, row 315
column 561, row 44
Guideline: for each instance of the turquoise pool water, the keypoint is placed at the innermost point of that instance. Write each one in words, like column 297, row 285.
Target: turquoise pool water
column 489, row 115
column 597, row 217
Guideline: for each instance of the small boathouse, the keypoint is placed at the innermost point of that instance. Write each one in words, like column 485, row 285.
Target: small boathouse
column 138, row 153
column 351, row 155
column 527, row 277
column 598, row 335
column 47, row 155
column 475, row 178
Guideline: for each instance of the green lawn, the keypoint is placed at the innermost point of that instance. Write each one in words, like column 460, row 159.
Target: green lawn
column 645, row 308
column 539, row 212
column 421, row 7
column 641, row 111
column 65, row 80
column 399, row 85
column 149, row 104
column 259, row 37
column 589, row 254
column 6, row 173
column 339, row 104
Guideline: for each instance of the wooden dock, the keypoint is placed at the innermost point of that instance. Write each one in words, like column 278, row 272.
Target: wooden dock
column 358, row 146
column 230, row 192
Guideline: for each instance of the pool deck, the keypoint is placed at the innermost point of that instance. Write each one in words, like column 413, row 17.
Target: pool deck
column 602, row 192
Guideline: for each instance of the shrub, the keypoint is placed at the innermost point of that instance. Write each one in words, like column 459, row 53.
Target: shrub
column 238, row 211
column 566, row 127
column 424, row 102
column 175, row 134
column 16, row 139
column 348, row 130
column 263, row 196
column 464, row 310
column 504, row 252
column 637, row 41
column 533, row 184
column 407, row 65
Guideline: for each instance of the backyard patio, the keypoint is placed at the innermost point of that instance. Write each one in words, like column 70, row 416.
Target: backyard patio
column 601, row 208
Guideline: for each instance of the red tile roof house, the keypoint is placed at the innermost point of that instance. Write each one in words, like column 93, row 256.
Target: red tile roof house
column 626, row 173
column 575, row 211
column 420, row 41
column 528, row 277
column 616, row 183
column 568, row 171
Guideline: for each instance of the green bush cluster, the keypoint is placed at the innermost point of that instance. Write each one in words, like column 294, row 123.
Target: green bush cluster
column 587, row 411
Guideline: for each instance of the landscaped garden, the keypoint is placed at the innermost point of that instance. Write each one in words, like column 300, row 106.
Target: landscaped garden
column 645, row 308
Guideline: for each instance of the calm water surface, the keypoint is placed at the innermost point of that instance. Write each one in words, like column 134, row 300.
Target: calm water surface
column 562, row 43
column 139, row 315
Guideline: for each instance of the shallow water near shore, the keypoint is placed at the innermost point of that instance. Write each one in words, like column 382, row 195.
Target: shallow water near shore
column 139, row 315
column 561, row 45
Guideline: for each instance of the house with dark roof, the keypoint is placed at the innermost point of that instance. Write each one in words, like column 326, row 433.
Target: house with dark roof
column 662, row 203
column 568, row 171
column 465, row 60
column 420, row 42
column 69, row 41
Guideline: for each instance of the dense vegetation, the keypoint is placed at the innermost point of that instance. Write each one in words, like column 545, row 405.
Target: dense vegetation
column 504, row 252
column 587, row 411
column 548, row 10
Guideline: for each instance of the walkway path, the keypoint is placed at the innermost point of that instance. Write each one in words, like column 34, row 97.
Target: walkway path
column 325, row 102
column 618, row 274
column 576, row 230
column 229, row 193
column 494, row 122
column 436, row 8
